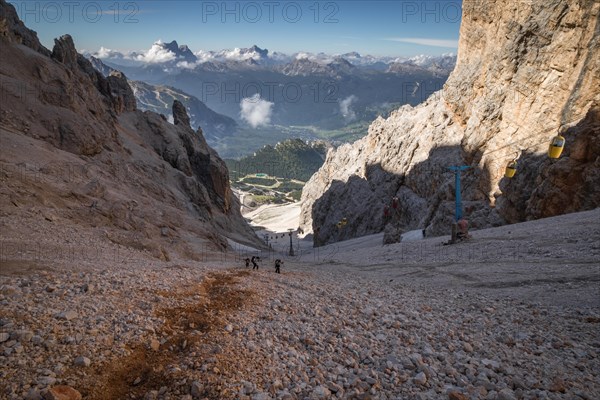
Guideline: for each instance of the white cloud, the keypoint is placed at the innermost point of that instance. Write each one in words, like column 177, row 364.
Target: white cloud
column 320, row 58
column 108, row 53
column 256, row 111
column 187, row 65
column 347, row 112
column 156, row 54
column 426, row 42
column 204, row 56
column 237, row 55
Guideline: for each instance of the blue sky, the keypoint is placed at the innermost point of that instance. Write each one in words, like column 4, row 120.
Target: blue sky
column 383, row 28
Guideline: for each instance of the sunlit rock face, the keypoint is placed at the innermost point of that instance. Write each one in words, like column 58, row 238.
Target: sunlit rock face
column 525, row 70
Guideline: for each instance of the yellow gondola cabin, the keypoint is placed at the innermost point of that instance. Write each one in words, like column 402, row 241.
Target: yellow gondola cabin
column 556, row 146
column 511, row 169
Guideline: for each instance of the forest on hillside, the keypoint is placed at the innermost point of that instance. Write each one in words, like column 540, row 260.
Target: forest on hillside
column 291, row 159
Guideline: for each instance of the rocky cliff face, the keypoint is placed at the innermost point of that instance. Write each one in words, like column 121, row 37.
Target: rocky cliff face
column 76, row 150
column 524, row 70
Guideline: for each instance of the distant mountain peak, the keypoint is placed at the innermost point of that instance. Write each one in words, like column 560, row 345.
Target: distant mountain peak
column 305, row 66
column 341, row 61
column 173, row 46
column 182, row 52
column 258, row 49
column 262, row 53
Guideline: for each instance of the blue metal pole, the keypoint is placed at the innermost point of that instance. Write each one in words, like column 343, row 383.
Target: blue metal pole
column 458, row 210
column 458, row 200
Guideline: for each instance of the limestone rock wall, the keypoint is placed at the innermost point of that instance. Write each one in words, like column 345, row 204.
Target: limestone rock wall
column 525, row 69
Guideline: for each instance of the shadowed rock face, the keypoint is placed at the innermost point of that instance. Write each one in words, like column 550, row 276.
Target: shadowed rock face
column 141, row 174
column 180, row 116
column 122, row 96
column 545, row 188
column 524, row 70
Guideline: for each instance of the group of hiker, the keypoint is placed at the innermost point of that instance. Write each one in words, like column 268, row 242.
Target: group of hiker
column 255, row 260
column 391, row 211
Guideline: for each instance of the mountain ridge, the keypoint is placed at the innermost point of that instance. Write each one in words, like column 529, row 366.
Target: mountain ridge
column 183, row 54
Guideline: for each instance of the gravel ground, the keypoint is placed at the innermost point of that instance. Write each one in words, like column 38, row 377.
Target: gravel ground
column 505, row 316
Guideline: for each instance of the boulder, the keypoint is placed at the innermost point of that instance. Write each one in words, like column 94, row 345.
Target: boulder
column 62, row 393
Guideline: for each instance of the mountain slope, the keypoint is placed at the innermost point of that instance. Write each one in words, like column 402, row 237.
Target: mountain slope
column 158, row 99
column 78, row 152
column 524, row 72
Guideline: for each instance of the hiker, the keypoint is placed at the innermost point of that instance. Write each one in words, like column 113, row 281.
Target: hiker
column 386, row 213
column 247, row 260
column 254, row 260
column 278, row 263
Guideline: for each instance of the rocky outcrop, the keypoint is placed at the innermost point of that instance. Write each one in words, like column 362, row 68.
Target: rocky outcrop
column 524, row 71
column 64, row 52
column 121, row 95
column 114, row 87
column 101, row 162
column 180, row 116
column 188, row 152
